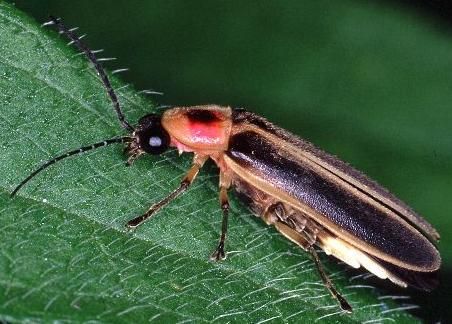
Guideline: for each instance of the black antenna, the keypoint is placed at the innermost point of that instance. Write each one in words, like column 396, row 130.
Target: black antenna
column 92, row 58
column 68, row 154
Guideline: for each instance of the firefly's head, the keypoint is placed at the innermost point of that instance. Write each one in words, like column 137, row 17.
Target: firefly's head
column 201, row 129
column 150, row 136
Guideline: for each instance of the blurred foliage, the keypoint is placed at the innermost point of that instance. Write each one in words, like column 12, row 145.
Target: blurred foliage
column 367, row 82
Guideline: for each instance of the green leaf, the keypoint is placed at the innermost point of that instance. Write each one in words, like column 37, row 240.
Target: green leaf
column 64, row 253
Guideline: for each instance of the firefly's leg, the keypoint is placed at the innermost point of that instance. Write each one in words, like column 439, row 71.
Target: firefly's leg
column 198, row 162
column 327, row 282
column 307, row 244
column 225, row 183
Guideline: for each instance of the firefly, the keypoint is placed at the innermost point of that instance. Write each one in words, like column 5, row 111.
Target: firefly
column 311, row 197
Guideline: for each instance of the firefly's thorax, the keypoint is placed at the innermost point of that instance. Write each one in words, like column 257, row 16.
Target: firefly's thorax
column 204, row 129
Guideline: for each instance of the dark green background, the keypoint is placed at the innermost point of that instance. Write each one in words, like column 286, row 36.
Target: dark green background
column 370, row 83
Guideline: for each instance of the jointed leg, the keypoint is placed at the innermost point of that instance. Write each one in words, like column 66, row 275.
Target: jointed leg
column 327, row 282
column 225, row 183
column 133, row 156
column 306, row 242
column 198, row 162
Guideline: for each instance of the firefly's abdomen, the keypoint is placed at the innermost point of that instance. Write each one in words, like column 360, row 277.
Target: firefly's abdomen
column 258, row 156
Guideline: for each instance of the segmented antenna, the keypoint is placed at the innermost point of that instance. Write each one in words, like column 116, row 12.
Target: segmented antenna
column 68, row 154
column 100, row 71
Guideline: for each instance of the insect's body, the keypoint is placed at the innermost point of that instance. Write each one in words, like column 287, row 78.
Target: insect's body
column 311, row 197
column 291, row 183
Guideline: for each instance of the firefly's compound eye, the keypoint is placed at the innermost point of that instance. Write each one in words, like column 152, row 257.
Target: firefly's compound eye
column 153, row 138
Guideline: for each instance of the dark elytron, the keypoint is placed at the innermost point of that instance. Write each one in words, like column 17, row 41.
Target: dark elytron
column 341, row 207
column 350, row 213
